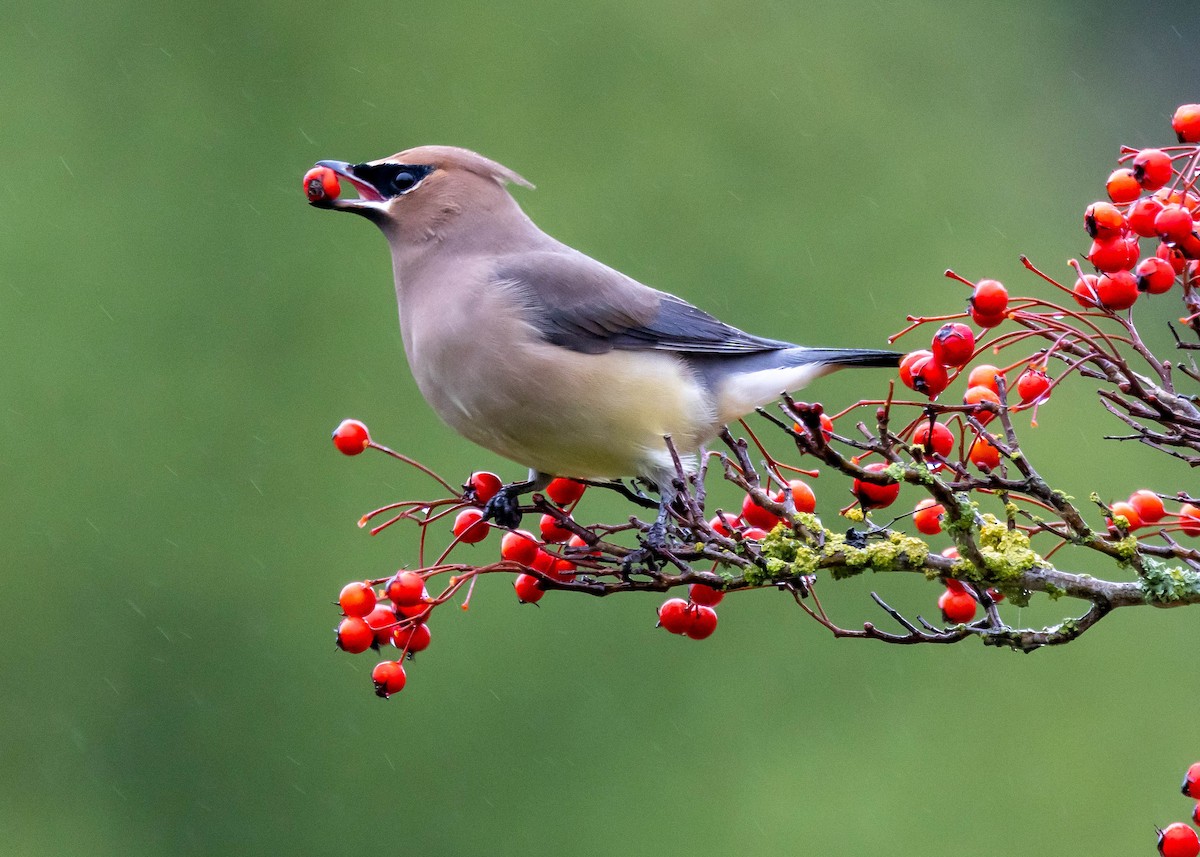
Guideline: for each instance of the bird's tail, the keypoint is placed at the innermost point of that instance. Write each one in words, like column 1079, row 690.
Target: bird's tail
column 840, row 357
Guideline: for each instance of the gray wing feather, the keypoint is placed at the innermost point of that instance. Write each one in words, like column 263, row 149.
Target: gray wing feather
column 579, row 303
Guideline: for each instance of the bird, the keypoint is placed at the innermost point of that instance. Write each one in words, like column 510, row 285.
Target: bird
column 545, row 356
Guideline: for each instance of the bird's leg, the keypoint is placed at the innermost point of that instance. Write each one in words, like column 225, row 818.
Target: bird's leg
column 505, row 507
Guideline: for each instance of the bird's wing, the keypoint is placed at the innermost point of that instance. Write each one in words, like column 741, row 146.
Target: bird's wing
column 578, row 303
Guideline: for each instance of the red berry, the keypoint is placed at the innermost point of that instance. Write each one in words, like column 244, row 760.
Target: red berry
column 976, row 396
column 543, row 561
column 1141, row 216
column 1122, row 186
column 321, row 183
column 1172, row 256
column 938, row 439
column 419, row 612
column 552, row 531
column 528, row 591
column 389, row 678
column 928, row 517
column 951, row 553
column 519, row 546
column 1032, row 384
column 675, row 616
column 802, row 496
column 985, row 375
column 953, row 345
column 990, row 297
column 469, row 526
column 562, row 570
column 1149, row 507
column 987, row 321
column 826, row 427
column 1117, row 291
column 756, row 516
column 351, row 437
column 1126, row 511
column 1189, row 519
column 1174, row 223
column 1196, row 814
column 705, row 595
column 872, row 496
column 984, row 453
column 414, row 638
column 564, row 492
column 907, row 364
column 581, row 547
column 1114, row 254
column 957, row 606
column 718, row 526
column 381, row 620
column 754, row 534
column 1152, row 168
column 704, row 622
column 995, row 594
column 1186, row 123
column 484, row 485
column 1154, row 275
column 926, row 376
column 1178, row 840
column 406, row 589
column 354, row 635
column 1085, row 291
column 1189, row 246
column 1191, row 781
column 357, row 599
column 1103, row 220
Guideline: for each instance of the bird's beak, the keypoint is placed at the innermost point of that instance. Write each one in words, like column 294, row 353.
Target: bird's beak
column 369, row 200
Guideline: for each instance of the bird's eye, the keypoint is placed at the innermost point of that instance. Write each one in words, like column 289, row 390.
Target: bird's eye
column 403, row 181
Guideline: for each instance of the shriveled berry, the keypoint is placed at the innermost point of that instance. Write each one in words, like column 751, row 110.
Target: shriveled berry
column 1149, row 507
column 927, row 517
column 957, row 606
column 1141, row 216
column 527, row 589
column 1152, row 168
column 354, row 635
column 564, row 492
column 389, row 678
column 1126, row 511
column 321, row 183
column 701, row 593
column 469, row 526
column 1186, row 123
column 872, row 496
column 406, row 589
column 675, row 616
column 1103, row 220
column 953, row 345
column 519, row 546
column 1032, row 384
column 1117, row 291
column 357, row 599
column 1122, row 186
column 935, row 437
column 990, row 297
column 704, row 622
column 484, row 485
column 351, row 437
column 1178, row 840
column 984, row 454
column 1154, row 275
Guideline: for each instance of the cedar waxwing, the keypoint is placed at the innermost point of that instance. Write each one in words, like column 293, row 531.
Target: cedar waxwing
column 545, row 356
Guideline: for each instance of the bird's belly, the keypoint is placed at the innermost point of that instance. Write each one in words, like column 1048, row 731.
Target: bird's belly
column 590, row 416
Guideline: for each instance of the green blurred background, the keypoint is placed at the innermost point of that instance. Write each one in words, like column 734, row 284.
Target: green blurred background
column 180, row 332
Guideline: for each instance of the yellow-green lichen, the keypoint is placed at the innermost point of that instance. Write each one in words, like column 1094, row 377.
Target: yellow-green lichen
column 785, row 556
column 1167, row 584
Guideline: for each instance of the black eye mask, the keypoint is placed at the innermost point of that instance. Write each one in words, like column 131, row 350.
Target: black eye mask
column 392, row 179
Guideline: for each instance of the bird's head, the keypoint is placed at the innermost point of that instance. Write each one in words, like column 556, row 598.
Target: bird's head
column 420, row 193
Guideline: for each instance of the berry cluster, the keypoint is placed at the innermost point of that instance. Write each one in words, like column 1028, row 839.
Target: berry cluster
column 955, row 441
column 1179, row 840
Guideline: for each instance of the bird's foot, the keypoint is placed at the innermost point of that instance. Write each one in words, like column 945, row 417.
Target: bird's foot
column 505, row 507
column 651, row 554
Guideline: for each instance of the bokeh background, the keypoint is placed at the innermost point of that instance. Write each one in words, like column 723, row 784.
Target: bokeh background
column 179, row 333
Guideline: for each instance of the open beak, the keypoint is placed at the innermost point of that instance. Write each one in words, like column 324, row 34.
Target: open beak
column 369, row 198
